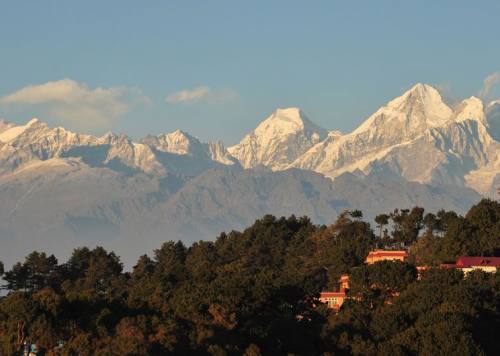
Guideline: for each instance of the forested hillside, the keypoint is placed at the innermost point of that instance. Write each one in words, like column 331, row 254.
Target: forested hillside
column 255, row 292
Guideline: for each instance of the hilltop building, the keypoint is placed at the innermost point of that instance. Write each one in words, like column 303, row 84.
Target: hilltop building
column 386, row 255
column 467, row 264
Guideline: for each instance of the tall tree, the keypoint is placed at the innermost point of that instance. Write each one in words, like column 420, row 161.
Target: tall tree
column 36, row 272
column 356, row 214
column 381, row 220
column 407, row 224
column 486, row 218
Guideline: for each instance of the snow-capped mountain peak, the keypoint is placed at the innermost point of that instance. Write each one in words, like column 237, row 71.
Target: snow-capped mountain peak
column 33, row 122
column 12, row 131
column 419, row 108
column 415, row 136
column 183, row 144
column 423, row 94
column 470, row 109
column 177, row 142
column 35, row 141
column 286, row 121
column 278, row 140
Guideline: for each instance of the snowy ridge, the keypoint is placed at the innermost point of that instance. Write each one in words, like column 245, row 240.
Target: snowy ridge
column 182, row 143
column 12, row 132
column 178, row 142
column 37, row 142
column 415, row 136
column 470, row 109
column 4, row 125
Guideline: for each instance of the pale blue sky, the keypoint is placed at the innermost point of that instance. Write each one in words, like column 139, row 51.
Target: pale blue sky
column 337, row 60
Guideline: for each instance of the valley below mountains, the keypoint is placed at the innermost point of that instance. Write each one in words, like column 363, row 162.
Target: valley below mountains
column 60, row 189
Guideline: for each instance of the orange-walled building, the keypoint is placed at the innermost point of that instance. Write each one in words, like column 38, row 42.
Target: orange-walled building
column 386, row 255
column 334, row 300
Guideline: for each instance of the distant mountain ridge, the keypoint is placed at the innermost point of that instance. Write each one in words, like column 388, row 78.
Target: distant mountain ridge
column 416, row 136
column 66, row 189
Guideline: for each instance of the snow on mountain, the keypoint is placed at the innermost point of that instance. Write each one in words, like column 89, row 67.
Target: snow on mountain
column 177, row 142
column 455, row 153
column 181, row 143
column 442, row 155
column 470, row 109
column 415, row 136
column 417, row 109
column 219, row 153
column 278, row 140
column 36, row 141
column 401, row 120
column 183, row 154
column 11, row 132
column 4, row 125
column 122, row 151
column 486, row 179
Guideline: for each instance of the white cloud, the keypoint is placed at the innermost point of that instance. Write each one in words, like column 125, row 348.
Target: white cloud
column 489, row 82
column 201, row 93
column 69, row 101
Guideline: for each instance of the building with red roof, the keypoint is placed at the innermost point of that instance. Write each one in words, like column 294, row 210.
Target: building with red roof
column 334, row 300
column 470, row 263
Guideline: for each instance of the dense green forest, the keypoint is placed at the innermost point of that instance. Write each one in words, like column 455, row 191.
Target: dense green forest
column 254, row 292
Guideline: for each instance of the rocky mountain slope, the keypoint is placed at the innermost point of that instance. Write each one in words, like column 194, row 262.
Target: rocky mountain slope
column 65, row 203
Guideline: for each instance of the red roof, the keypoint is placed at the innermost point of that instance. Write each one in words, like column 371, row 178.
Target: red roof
column 469, row 261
